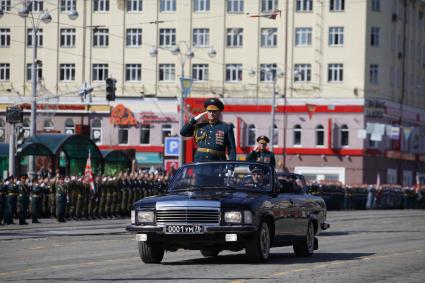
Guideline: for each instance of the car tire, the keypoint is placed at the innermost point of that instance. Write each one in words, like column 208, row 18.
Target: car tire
column 258, row 248
column 305, row 248
column 210, row 253
column 150, row 253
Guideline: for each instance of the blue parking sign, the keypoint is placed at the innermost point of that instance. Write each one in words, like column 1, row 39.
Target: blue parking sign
column 171, row 146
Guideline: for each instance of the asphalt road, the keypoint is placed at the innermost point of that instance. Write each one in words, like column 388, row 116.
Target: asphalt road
column 361, row 246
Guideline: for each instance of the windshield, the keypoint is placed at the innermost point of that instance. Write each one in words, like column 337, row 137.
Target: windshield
column 223, row 175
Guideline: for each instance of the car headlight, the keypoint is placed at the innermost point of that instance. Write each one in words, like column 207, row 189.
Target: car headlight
column 133, row 217
column 145, row 216
column 233, row 217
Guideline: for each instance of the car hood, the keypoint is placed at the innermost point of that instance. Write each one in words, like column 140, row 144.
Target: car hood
column 211, row 198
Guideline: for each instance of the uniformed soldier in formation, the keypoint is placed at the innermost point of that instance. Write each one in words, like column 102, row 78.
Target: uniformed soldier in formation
column 3, row 201
column 35, row 200
column 213, row 137
column 52, row 195
column 261, row 153
column 23, row 200
column 61, row 195
column 12, row 199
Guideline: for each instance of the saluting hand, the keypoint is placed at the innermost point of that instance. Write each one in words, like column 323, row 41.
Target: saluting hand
column 198, row 117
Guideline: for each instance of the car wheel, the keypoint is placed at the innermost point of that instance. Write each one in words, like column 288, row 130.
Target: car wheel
column 258, row 249
column 305, row 248
column 150, row 253
column 210, row 253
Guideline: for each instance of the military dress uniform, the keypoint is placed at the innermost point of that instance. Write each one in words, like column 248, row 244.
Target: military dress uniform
column 61, row 195
column 3, row 201
column 263, row 155
column 213, row 139
column 12, row 201
column 23, row 202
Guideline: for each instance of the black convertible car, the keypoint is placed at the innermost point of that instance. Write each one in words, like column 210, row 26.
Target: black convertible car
column 229, row 205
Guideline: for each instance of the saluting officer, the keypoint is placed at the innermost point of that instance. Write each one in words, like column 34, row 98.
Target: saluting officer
column 261, row 153
column 212, row 137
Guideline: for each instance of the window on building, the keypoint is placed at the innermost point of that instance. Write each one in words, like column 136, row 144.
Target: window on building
column 376, row 5
column 335, row 72
column 201, row 5
column 269, row 5
column 167, row 37
column 267, row 72
column 304, row 5
column 133, row 72
column 336, row 36
column 69, row 127
column 344, row 135
column 145, row 131
column 123, row 135
column 201, row 37
column 100, row 72
column 67, row 72
column 303, row 36
column 67, row 37
column 200, row 72
column 100, row 37
column 167, row 5
column 233, row 72
column 5, row 5
column 133, row 37
column 36, row 5
column 4, row 37
column 2, row 130
column 4, row 71
column 234, row 37
column 374, row 73
column 167, row 72
column 96, row 131
column 302, row 73
column 68, row 5
column 252, row 134
column 101, row 5
column 374, row 36
column 235, row 6
column 166, row 131
column 48, row 125
column 269, row 37
column 39, row 71
column 134, row 5
column 320, row 135
column 297, row 135
column 39, row 37
column 337, row 5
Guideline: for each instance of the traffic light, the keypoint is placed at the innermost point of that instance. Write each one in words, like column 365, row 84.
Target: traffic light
column 14, row 115
column 110, row 89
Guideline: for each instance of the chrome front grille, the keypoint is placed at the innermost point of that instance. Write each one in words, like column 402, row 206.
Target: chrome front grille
column 211, row 216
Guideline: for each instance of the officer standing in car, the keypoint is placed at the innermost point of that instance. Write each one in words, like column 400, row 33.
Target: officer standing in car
column 213, row 137
column 261, row 153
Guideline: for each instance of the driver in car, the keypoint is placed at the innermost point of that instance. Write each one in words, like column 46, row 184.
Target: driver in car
column 258, row 178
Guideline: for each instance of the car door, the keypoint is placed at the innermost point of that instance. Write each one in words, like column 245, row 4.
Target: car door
column 302, row 207
column 285, row 212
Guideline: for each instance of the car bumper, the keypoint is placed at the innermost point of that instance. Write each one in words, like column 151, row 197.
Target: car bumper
column 212, row 237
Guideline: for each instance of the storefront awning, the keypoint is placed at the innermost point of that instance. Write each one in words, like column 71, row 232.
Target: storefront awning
column 4, row 150
column 149, row 158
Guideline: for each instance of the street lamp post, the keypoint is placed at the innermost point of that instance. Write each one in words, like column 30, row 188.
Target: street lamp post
column 184, row 56
column 275, row 75
column 45, row 17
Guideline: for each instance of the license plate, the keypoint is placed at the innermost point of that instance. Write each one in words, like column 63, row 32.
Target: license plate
column 184, row 229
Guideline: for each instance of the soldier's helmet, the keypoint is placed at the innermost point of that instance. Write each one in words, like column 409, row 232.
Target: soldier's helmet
column 213, row 104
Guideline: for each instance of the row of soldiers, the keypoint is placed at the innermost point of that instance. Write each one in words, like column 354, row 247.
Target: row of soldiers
column 74, row 198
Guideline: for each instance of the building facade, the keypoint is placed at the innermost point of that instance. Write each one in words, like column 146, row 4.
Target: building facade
column 337, row 82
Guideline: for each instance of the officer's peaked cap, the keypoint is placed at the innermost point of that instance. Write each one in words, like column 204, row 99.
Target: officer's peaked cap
column 213, row 104
column 263, row 139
